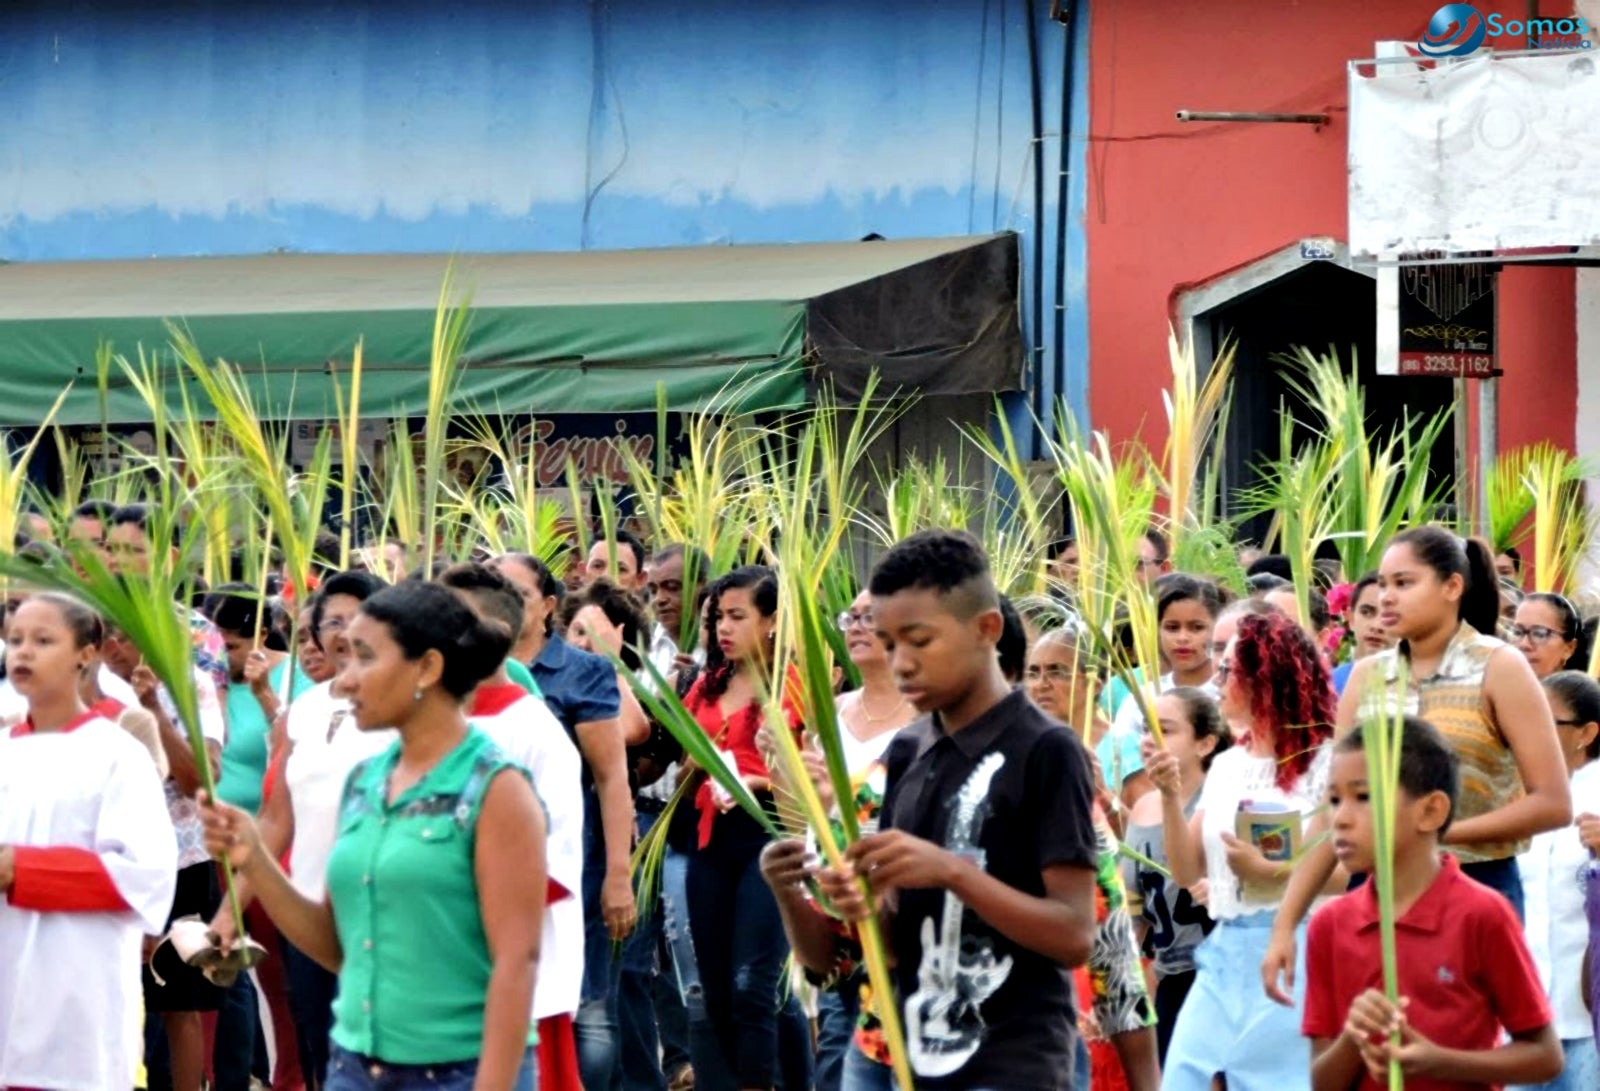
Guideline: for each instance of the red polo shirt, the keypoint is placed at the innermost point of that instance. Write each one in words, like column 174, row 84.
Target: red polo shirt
column 1463, row 964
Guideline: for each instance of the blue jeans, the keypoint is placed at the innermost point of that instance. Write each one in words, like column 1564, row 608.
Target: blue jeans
column 351, row 1072
column 862, row 1073
column 1229, row 1025
column 740, row 947
column 234, row 1047
column 1582, row 1072
column 311, row 993
column 1501, row 875
column 595, row 1025
column 638, row 1032
column 837, row 1010
column 705, row 1054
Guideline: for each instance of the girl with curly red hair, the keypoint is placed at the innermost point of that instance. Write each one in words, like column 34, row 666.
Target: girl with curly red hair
column 1272, row 677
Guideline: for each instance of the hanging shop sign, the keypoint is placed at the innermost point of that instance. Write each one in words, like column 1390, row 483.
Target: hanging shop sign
column 1447, row 320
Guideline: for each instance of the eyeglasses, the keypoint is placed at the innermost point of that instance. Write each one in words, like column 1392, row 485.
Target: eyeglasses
column 1536, row 634
column 1055, row 672
column 850, row 620
column 331, row 625
column 1221, row 673
column 1572, row 723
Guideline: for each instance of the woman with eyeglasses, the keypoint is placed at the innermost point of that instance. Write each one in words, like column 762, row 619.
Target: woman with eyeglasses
column 1548, row 632
column 1069, row 690
column 1554, row 873
column 873, row 713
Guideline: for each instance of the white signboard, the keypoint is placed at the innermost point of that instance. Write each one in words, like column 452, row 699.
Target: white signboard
column 1487, row 153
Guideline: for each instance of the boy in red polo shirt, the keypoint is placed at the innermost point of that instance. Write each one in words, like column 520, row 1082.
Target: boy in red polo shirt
column 1465, row 971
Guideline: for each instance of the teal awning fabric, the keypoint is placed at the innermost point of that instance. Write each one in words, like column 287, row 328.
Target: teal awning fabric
column 594, row 331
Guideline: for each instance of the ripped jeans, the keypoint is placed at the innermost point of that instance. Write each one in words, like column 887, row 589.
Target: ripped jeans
column 740, row 948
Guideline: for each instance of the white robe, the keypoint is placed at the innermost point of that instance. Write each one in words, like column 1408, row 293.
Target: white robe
column 69, row 981
column 530, row 735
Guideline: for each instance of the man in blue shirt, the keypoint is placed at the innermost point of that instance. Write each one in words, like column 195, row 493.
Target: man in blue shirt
column 581, row 689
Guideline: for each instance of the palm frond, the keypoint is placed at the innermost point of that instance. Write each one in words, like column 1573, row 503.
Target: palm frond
column 1195, row 409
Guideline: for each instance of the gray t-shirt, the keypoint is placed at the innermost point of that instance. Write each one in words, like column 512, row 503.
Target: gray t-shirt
column 1177, row 923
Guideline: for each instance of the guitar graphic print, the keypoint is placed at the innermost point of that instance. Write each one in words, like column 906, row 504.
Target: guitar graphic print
column 944, row 1026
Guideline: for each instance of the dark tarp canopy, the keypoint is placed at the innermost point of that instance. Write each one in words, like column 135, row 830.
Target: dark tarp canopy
column 593, row 331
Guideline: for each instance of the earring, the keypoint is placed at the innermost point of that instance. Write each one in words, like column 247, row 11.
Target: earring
column 416, row 697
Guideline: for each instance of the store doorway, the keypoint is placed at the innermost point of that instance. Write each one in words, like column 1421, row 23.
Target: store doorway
column 1322, row 305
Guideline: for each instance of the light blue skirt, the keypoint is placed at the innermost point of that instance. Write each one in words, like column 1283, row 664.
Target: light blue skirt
column 1229, row 1025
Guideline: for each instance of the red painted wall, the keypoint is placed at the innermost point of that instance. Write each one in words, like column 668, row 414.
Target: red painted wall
column 1172, row 204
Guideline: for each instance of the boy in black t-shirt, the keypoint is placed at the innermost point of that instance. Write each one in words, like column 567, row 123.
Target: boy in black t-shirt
column 984, row 869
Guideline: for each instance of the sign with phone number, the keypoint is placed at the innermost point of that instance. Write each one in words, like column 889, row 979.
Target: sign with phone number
column 1468, row 365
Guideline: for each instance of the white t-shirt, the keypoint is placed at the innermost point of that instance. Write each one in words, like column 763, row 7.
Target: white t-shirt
column 1129, row 719
column 1236, row 776
column 213, row 724
column 530, row 735
column 1554, row 874
column 327, row 745
column 69, row 982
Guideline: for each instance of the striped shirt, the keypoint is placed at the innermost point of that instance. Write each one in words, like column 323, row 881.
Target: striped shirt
column 1452, row 700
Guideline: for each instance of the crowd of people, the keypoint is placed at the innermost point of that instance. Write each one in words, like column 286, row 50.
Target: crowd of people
column 429, row 785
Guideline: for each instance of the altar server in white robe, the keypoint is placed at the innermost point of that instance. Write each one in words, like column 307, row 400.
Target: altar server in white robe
column 87, row 864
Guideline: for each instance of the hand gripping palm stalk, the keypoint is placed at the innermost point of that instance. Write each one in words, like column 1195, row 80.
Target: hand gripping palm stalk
column 1381, row 738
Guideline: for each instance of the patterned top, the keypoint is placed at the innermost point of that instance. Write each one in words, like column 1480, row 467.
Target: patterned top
column 1116, row 976
column 1452, row 700
column 1177, row 923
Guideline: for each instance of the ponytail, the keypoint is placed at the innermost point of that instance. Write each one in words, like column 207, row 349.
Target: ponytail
column 1468, row 558
column 1480, row 602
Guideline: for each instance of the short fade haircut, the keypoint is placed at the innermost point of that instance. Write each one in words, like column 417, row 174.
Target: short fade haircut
column 1427, row 762
column 949, row 563
column 501, row 599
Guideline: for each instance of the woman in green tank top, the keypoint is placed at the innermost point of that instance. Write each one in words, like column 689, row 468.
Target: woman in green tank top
column 436, row 883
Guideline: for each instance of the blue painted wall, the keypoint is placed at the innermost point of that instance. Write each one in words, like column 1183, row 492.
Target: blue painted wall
column 171, row 129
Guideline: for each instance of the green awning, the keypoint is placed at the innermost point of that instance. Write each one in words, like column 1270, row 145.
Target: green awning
column 582, row 332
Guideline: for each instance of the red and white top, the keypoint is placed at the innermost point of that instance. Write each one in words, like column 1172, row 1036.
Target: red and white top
column 527, row 731
column 96, row 863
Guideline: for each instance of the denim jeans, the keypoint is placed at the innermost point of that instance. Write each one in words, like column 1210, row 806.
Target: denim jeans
column 1229, row 1025
column 740, row 947
column 711, row 1071
column 351, row 1072
column 1582, row 1072
column 1501, row 875
column 836, row 1027
column 595, row 1025
column 234, row 1046
column 638, row 1036
column 311, row 992
column 862, row 1073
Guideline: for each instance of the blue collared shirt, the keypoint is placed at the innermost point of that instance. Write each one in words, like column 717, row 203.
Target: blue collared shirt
column 580, row 687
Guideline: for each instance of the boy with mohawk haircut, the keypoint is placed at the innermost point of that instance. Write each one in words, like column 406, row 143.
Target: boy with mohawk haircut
column 984, row 866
